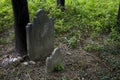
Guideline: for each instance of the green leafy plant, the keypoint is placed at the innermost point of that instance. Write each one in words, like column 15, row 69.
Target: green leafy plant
column 92, row 47
column 72, row 43
column 58, row 67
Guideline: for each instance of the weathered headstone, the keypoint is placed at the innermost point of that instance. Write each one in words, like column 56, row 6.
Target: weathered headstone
column 40, row 36
column 55, row 59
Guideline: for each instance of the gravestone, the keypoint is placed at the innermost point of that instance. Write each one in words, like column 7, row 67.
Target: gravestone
column 40, row 36
column 55, row 59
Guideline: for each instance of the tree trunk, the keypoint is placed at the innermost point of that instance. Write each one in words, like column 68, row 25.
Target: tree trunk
column 61, row 4
column 119, row 14
column 21, row 18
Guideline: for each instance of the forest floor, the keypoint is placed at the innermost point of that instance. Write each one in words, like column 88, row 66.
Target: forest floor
column 79, row 64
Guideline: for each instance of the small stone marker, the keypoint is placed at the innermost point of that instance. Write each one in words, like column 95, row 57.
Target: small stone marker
column 40, row 36
column 55, row 59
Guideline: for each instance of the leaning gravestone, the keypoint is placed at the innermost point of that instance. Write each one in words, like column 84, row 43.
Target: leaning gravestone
column 40, row 36
column 54, row 61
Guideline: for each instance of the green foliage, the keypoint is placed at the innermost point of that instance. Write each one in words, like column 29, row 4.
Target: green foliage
column 115, row 36
column 6, row 15
column 72, row 43
column 94, row 47
column 58, row 67
column 112, row 43
column 94, row 35
column 98, row 15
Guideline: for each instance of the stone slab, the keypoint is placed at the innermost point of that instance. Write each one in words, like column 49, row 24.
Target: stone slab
column 40, row 36
column 55, row 59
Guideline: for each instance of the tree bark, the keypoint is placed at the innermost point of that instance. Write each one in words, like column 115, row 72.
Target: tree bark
column 118, row 14
column 21, row 18
column 61, row 4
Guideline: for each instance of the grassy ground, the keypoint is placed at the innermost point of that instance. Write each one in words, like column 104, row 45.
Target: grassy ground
column 86, row 26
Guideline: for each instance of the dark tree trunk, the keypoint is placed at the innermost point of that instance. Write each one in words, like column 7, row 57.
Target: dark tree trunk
column 21, row 18
column 61, row 4
column 119, row 14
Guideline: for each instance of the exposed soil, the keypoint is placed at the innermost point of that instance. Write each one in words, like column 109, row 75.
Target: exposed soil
column 79, row 65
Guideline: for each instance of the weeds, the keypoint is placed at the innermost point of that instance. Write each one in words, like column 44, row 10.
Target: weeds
column 58, row 67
